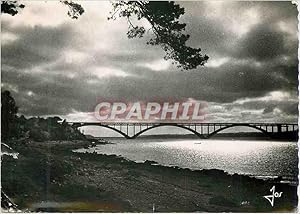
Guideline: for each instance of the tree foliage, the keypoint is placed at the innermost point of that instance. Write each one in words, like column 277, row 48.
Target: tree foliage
column 35, row 128
column 163, row 16
column 9, row 112
column 75, row 10
column 12, row 7
column 168, row 31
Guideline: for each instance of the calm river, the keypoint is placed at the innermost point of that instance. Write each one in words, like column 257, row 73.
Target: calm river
column 257, row 158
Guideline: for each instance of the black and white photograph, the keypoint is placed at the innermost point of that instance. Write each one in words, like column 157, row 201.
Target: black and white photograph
column 149, row 106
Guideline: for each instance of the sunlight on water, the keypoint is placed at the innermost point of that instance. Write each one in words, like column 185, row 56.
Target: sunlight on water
column 258, row 158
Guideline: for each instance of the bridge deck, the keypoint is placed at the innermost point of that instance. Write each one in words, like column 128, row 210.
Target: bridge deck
column 172, row 123
column 202, row 130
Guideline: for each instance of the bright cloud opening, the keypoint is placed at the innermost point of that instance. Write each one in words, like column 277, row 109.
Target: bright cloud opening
column 158, row 65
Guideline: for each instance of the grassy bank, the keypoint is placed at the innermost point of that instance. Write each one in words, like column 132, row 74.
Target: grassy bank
column 48, row 176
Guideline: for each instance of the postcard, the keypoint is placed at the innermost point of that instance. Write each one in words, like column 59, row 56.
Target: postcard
column 149, row 106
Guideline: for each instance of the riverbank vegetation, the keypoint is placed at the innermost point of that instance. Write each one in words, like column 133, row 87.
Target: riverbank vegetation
column 48, row 176
column 15, row 126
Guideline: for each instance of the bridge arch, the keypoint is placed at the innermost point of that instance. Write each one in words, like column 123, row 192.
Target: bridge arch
column 206, row 136
column 105, row 126
column 239, row 125
column 161, row 125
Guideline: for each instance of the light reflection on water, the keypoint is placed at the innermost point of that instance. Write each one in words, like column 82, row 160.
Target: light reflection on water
column 258, row 158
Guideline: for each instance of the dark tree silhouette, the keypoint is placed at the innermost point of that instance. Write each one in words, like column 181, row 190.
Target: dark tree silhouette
column 9, row 112
column 165, row 26
column 12, row 7
column 163, row 17
column 75, row 10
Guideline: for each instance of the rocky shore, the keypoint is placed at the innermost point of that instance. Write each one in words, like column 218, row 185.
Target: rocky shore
column 48, row 176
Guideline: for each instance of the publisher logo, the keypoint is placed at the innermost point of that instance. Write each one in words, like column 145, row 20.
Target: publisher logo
column 271, row 198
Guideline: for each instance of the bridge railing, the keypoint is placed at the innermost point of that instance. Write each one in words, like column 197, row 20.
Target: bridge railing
column 133, row 129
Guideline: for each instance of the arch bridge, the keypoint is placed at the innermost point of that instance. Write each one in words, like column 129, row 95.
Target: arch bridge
column 202, row 130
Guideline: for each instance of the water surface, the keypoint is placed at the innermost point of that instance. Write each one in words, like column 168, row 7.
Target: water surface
column 257, row 158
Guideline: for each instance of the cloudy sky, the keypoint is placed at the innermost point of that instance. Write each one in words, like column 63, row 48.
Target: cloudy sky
column 54, row 65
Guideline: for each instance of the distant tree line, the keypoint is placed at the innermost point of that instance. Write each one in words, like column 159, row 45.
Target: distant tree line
column 35, row 128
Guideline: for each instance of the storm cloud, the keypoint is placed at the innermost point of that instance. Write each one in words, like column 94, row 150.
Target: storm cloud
column 57, row 66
